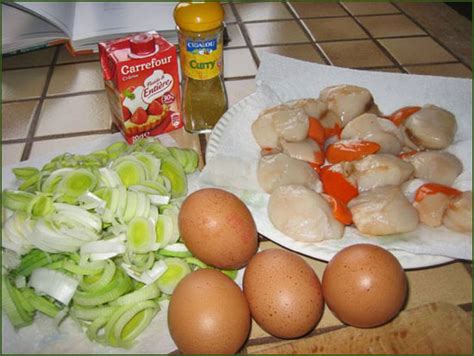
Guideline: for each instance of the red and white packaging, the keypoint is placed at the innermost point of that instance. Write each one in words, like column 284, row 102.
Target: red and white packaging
column 142, row 84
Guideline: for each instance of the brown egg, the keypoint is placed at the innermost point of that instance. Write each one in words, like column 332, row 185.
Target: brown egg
column 283, row 292
column 364, row 285
column 208, row 314
column 218, row 228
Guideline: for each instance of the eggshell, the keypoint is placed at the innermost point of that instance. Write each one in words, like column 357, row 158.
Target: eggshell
column 364, row 285
column 218, row 228
column 208, row 314
column 284, row 293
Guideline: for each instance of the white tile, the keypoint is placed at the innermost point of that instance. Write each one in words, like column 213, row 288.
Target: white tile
column 11, row 153
column 238, row 63
column 239, row 89
column 61, row 145
column 74, row 114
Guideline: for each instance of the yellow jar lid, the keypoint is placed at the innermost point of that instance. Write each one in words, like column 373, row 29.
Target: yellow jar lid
column 198, row 17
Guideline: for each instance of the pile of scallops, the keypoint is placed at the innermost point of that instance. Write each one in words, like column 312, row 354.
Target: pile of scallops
column 336, row 161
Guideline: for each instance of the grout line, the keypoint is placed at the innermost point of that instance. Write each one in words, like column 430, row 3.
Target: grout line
column 245, row 34
column 48, row 65
column 79, row 93
column 70, row 134
column 26, row 67
column 35, row 120
column 245, row 77
column 36, row 98
column 55, row 96
column 308, row 34
column 78, row 62
column 377, row 43
column 431, row 36
column 431, row 63
column 14, row 140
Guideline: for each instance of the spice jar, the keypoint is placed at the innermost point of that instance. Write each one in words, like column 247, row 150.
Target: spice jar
column 200, row 32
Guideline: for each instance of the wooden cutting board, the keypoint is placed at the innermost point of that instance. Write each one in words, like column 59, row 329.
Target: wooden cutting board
column 437, row 328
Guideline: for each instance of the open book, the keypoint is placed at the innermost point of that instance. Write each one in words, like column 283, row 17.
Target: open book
column 31, row 25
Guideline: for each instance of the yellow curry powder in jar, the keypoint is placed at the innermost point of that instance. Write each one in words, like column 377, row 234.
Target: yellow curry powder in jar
column 200, row 31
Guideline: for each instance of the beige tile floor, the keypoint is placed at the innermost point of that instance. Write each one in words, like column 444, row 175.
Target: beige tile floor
column 52, row 99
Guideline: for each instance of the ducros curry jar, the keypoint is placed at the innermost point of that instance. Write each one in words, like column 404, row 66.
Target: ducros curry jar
column 200, row 32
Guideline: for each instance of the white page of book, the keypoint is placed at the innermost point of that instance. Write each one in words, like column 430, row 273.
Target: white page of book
column 60, row 14
column 102, row 19
column 22, row 30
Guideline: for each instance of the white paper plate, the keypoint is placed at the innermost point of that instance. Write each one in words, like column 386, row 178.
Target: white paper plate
column 232, row 130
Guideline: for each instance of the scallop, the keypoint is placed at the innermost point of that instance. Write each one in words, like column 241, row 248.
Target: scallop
column 313, row 107
column 370, row 127
column 264, row 132
column 431, row 127
column 305, row 150
column 381, row 169
column 383, row 211
column 303, row 214
column 458, row 215
column 280, row 169
column 431, row 209
column 291, row 124
column 437, row 167
column 347, row 101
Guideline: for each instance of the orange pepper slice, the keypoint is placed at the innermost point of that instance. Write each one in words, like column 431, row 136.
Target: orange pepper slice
column 337, row 186
column 433, row 188
column 333, row 131
column 340, row 211
column 351, row 151
column 319, row 158
column 316, row 131
column 399, row 116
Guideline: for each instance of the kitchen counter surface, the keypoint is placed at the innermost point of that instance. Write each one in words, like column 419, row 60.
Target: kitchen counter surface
column 51, row 99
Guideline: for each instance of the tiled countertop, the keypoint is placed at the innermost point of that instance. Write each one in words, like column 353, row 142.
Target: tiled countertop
column 51, row 99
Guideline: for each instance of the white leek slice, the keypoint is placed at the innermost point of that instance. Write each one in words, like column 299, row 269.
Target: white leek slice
column 50, row 184
column 148, row 276
column 78, row 215
column 130, row 170
column 141, row 235
column 10, row 259
column 79, row 233
column 172, row 169
column 159, row 199
column 104, row 249
column 130, row 207
column 151, row 163
column 164, row 230
column 89, row 201
column 173, row 212
column 143, row 205
column 109, row 178
column 77, row 182
column 122, row 201
column 20, row 282
column 176, row 250
column 47, row 238
column 14, row 234
column 153, row 214
column 53, row 283
column 177, row 270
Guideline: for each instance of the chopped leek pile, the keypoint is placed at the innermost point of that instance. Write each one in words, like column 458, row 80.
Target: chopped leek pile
column 95, row 237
